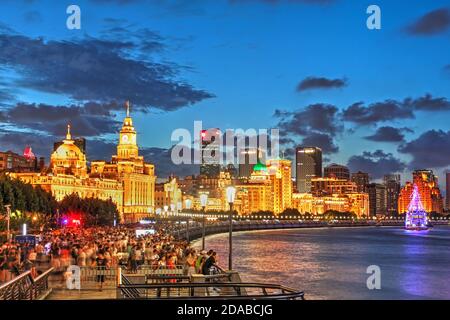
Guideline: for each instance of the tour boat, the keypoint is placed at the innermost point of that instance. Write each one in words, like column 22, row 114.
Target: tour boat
column 416, row 218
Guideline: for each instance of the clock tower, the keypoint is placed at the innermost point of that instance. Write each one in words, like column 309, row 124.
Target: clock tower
column 127, row 147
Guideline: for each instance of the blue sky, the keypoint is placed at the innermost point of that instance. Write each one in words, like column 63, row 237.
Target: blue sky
column 233, row 63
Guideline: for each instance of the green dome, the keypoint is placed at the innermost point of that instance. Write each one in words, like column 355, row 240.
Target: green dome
column 259, row 167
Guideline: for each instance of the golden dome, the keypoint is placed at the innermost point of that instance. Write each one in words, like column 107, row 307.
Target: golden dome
column 68, row 150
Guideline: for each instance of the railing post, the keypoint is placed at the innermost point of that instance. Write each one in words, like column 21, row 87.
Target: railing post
column 198, row 292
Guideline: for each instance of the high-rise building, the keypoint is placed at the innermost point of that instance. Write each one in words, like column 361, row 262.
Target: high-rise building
column 336, row 171
column 247, row 159
column 447, row 190
column 308, row 166
column 428, row 186
column 377, row 199
column 210, row 144
column 361, row 179
column 281, row 176
column 392, row 184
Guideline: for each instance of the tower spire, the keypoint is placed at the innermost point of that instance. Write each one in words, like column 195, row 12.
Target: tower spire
column 127, row 106
column 68, row 135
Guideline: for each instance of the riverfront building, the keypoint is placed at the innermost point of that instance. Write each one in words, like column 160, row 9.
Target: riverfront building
column 308, row 165
column 428, row 187
column 127, row 180
column 336, row 171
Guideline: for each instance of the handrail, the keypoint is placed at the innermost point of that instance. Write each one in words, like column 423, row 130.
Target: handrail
column 18, row 278
column 24, row 287
column 287, row 293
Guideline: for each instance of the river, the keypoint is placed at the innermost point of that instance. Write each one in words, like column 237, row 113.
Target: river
column 331, row 263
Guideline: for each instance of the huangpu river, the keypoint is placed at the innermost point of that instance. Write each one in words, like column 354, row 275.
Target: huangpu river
column 331, row 263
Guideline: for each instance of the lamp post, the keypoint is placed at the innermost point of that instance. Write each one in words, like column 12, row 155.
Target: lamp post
column 203, row 203
column 231, row 194
column 187, row 203
column 8, row 217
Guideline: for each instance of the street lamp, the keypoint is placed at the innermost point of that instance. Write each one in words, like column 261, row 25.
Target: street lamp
column 231, row 194
column 8, row 217
column 203, row 203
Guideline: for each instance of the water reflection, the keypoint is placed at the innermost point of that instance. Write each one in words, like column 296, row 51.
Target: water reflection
column 330, row 263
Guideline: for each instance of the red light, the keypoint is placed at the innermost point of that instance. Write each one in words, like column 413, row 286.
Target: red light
column 203, row 133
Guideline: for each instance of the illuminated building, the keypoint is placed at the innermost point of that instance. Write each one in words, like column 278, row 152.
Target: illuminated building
column 328, row 186
column 392, row 184
column 258, row 190
column 128, row 167
column 427, row 185
column 447, row 190
column 167, row 194
column 210, row 144
column 361, row 179
column 336, row 171
column 13, row 162
column 308, row 166
column 127, row 180
column 68, row 175
column 269, row 188
column 280, row 173
column 357, row 203
column 247, row 160
column 377, row 199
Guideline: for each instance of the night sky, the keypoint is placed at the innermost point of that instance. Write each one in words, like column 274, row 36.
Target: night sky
column 376, row 100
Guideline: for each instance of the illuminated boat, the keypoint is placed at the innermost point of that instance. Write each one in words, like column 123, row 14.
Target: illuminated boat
column 416, row 217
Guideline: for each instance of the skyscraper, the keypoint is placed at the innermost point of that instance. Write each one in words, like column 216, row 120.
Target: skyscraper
column 377, row 199
column 392, row 184
column 361, row 179
column 247, row 160
column 308, row 166
column 210, row 166
column 336, row 171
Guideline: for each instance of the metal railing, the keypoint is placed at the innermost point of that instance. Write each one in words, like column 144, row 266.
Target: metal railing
column 24, row 287
column 209, row 291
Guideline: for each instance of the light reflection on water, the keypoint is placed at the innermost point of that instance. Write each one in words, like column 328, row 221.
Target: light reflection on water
column 330, row 263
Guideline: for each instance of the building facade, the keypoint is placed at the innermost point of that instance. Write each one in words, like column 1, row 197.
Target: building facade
column 127, row 180
column 361, row 179
column 447, row 190
column 329, row 186
column 336, row 171
column 13, row 162
column 308, row 165
column 428, row 186
column 357, row 203
column 377, row 199
column 392, row 185
column 210, row 152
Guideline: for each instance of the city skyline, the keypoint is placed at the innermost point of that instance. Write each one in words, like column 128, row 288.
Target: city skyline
column 379, row 119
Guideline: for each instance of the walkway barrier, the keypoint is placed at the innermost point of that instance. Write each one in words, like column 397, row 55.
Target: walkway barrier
column 24, row 287
column 208, row 291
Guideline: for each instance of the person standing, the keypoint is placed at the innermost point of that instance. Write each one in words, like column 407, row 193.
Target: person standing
column 102, row 264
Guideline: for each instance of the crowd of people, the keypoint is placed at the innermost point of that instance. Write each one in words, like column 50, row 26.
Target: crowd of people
column 104, row 247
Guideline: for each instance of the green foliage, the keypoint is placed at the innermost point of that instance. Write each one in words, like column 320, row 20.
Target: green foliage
column 93, row 211
column 24, row 198
column 290, row 213
column 332, row 214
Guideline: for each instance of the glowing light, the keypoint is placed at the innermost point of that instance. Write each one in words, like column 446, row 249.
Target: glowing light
column 231, row 194
column 416, row 215
column 203, row 199
column 24, row 229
